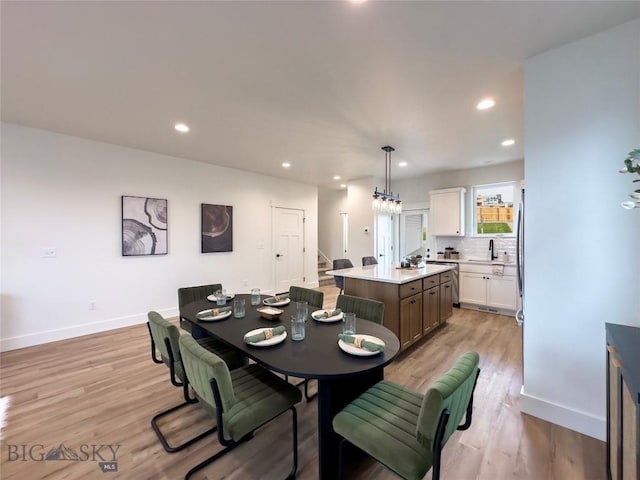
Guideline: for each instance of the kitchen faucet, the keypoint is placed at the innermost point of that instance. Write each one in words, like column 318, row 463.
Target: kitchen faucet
column 493, row 256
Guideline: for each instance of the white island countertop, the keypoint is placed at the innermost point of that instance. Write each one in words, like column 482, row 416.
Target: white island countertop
column 389, row 273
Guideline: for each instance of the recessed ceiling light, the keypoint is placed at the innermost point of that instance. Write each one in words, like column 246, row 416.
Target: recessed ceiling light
column 286, row 164
column 336, row 177
column 181, row 127
column 402, row 164
column 357, row 1
column 343, row 185
column 486, row 103
column 508, row 142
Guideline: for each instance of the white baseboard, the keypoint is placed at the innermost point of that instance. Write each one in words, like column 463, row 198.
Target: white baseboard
column 575, row 420
column 47, row 336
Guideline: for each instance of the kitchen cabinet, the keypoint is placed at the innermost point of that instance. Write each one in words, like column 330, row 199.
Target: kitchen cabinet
column 481, row 288
column 446, row 301
column 623, row 402
column 415, row 301
column 410, row 319
column 431, row 309
column 447, row 212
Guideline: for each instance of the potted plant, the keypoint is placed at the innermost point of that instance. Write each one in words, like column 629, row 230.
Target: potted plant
column 632, row 165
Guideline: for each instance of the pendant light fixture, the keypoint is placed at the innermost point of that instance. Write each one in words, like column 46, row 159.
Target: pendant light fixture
column 386, row 201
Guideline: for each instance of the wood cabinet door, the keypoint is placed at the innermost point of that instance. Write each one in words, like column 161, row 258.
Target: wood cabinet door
column 430, row 309
column 613, row 420
column 410, row 320
column 446, row 301
column 473, row 288
column 502, row 292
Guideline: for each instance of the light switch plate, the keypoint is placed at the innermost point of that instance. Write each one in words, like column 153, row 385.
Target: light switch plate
column 49, row 252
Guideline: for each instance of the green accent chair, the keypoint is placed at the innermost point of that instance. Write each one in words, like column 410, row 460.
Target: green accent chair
column 372, row 310
column 191, row 294
column 404, row 430
column 369, row 261
column 164, row 339
column 240, row 400
column 315, row 300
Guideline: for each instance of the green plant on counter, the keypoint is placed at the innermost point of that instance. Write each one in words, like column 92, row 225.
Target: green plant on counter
column 632, row 165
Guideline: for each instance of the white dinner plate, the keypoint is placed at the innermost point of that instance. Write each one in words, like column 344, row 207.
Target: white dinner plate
column 210, row 318
column 213, row 298
column 265, row 343
column 276, row 304
column 360, row 352
column 335, row 318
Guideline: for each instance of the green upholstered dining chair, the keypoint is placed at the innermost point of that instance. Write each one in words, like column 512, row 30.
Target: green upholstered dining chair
column 366, row 308
column 404, row 430
column 240, row 400
column 191, row 294
column 369, row 261
column 164, row 339
column 315, row 300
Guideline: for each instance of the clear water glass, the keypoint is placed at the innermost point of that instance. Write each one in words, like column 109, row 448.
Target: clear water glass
column 349, row 323
column 221, row 297
column 238, row 307
column 297, row 328
column 255, row 296
column 302, row 310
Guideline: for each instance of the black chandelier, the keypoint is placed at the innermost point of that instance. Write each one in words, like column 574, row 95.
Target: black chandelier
column 386, row 201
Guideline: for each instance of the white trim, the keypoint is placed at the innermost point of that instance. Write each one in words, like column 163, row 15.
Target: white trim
column 47, row 336
column 572, row 419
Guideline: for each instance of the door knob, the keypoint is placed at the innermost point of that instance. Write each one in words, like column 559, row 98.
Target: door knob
column 278, row 255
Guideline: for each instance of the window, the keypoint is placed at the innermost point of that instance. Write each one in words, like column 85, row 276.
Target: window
column 494, row 209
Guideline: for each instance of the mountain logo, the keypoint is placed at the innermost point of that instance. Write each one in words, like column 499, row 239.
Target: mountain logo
column 62, row 453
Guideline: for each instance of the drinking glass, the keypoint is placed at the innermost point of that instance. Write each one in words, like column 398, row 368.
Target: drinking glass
column 302, row 310
column 238, row 307
column 297, row 328
column 221, row 297
column 349, row 323
column 255, row 296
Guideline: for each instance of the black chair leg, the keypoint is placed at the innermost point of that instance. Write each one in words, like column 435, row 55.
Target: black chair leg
column 211, row 459
column 163, row 440
column 306, row 392
column 294, row 426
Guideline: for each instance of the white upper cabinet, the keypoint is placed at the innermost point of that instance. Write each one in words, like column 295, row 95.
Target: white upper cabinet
column 447, row 212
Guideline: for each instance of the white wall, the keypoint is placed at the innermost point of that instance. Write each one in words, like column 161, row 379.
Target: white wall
column 64, row 192
column 361, row 216
column 416, row 190
column 331, row 204
column 582, row 116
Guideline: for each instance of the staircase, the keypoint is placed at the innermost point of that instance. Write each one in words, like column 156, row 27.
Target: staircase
column 324, row 279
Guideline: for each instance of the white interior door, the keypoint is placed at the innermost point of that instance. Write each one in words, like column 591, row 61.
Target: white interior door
column 384, row 238
column 288, row 231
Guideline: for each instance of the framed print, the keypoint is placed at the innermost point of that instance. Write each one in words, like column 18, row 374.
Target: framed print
column 144, row 226
column 217, row 228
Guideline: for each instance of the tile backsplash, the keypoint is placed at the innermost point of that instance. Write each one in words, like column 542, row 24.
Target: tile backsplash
column 475, row 247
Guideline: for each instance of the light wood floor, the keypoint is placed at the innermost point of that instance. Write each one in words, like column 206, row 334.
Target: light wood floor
column 104, row 389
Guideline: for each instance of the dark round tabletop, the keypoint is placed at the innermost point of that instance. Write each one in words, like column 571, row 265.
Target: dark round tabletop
column 317, row 356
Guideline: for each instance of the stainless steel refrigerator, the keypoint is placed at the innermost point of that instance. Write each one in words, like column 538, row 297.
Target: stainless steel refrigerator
column 520, row 259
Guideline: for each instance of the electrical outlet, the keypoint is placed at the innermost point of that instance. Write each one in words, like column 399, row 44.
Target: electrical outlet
column 245, row 283
column 49, row 252
column 92, row 304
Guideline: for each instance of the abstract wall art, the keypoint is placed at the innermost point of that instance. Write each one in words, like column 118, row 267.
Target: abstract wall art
column 144, row 226
column 217, row 228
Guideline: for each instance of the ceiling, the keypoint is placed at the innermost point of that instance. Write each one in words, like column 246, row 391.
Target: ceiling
column 322, row 85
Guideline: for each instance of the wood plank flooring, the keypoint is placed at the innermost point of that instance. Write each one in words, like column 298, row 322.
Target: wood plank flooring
column 103, row 389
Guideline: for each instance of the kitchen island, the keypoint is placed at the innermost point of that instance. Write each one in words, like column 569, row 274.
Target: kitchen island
column 416, row 300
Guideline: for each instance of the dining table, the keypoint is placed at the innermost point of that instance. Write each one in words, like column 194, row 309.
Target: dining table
column 341, row 376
